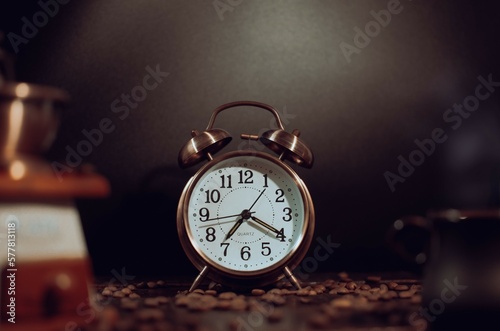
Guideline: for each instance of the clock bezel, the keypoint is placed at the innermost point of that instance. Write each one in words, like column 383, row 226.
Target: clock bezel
column 239, row 278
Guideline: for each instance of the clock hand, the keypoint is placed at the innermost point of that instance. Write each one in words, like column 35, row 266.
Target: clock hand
column 253, row 204
column 219, row 218
column 234, row 228
column 264, row 224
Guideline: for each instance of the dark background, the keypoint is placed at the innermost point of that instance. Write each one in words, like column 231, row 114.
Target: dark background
column 357, row 117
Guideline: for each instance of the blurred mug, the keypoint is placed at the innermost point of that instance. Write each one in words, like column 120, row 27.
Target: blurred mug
column 461, row 281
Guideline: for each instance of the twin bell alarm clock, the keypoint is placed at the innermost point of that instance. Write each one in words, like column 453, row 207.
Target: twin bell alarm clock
column 245, row 218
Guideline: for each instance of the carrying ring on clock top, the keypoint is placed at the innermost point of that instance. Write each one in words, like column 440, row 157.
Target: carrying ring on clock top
column 204, row 144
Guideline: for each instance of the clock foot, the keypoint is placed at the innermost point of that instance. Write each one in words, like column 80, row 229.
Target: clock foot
column 198, row 279
column 291, row 277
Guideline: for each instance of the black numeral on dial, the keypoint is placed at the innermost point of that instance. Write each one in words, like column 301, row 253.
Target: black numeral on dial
column 212, row 196
column 288, row 214
column 245, row 253
column 280, row 195
column 204, row 214
column 248, row 174
column 225, row 245
column 266, row 250
column 210, row 234
column 281, row 235
column 226, row 180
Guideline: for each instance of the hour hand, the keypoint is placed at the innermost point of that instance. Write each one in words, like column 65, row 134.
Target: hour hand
column 264, row 224
column 234, row 228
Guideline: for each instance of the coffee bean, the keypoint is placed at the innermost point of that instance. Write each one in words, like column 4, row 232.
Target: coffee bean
column 402, row 288
column 392, row 285
column 140, row 285
column 341, row 303
column 223, row 304
column 405, row 294
column 238, row 304
column 118, row 294
column 126, row 291
column 383, row 288
column 211, row 292
column 365, row 287
column 320, row 288
column 275, row 291
column 278, row 300
column 258, row 292
column 343, row 291
column 276, row 316
column 351, row 286
column 200, row 291
column 182, row 301
column 319, row 321
column 313, row 292
column 131, row 286
column 112, row 288
column 134, row 296
column 160, row 283
column 343, row 275
column 204, row 303
column 106, row 292
column 151, row 284
column 305, row 300
column 303, row 292
column 227, row 295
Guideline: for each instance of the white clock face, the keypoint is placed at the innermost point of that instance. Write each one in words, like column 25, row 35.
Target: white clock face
column 245, row 214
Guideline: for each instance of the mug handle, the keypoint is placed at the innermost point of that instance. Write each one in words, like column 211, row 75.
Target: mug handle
column 401, row 247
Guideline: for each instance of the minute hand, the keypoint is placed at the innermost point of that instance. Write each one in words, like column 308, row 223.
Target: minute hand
column 264, row 224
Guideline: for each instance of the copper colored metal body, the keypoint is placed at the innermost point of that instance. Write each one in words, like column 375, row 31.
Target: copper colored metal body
column 289, row 147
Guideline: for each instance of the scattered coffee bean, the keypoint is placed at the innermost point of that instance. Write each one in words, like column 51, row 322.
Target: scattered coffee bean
column 131, row 286
column 182, row 301
column 258, row 292
column 112, row 288
column 106, row 292
column 160, row 283
column 402, row 288
column 320, row 288
column 200, row 291
column 351, row 286
column 303, row 292
column 341, row 303
column 343, row 275
column 152, row 284
column 227, row 295
column 126, row 291
column 365, row 287
column 383, row 288
column 392, row 285
column 223, row 304
column 343, row 290
column 405, row 294
column 140, row 285
column 278, row 300
column 211, row 292
column 134, row 296
column 305, row 300
column 118, row 294
column 238, row 304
